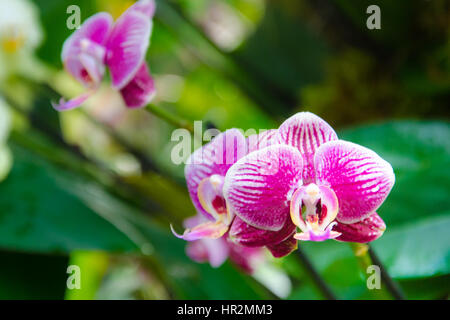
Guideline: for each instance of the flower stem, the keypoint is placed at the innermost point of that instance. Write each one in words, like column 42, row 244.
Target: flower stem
column 316, row 277
column 124, row 189
column 366, row 257
column 152, row 108
column 391, row 285
column 168, row 117
column 147, row 164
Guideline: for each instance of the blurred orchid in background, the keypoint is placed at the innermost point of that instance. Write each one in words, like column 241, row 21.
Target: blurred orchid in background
column 120, row 46
column 321, row 181
column 20, row 34
column 249, row 259
column 216, row 251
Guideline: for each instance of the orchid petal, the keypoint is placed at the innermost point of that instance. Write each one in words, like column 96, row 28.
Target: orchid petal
column 83, row 52
column 262, row 140
column 246, row 235
column 126, row 47
column 366, row 230
column 191, row 222
column 197, row 251
column 210, row 229
column 283, row 248
column 259, row 186
column 244, row 257
column 218, row 250
column 140, row 90
column 146, row 7
column 216, row 157
column 360, row 178
column 215, row 251
column 64, row 105
column 306, row 132
column 96, row 29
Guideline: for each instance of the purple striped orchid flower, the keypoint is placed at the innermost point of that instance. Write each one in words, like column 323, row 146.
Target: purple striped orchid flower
column 326, row 187
column 120, row 46
column 217, row 251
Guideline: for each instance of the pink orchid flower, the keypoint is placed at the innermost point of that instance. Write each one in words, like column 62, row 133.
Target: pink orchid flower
column 217, row 251
column 328, row 188
column 120, row 46
column 205, row 175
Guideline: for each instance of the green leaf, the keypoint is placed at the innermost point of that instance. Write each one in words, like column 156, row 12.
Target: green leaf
column 92, row 266
column 430, row 288
column 298, row 52
column 416, row 243
column 407, row 145
column 338, row 266
column 419, row 152
column 396, row 19
column 190, row 280
column 420, row 249
column 59, row 212
column 26, row 276
column 38, row 214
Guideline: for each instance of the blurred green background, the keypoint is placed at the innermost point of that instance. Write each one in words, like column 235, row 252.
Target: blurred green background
column 95, row 187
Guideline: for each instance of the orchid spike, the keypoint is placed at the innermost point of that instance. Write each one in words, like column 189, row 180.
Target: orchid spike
column 327, row 188
column 120, row 46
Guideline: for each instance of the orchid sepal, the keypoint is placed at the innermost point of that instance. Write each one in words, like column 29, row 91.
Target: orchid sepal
column 244, row 234
column 206, row 230
column 366, row 230
column 283, row 248
column 65, row 105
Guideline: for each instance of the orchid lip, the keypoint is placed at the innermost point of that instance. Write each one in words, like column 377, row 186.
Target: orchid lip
column 64, row 105
column 313, row 209
column 312, row 235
